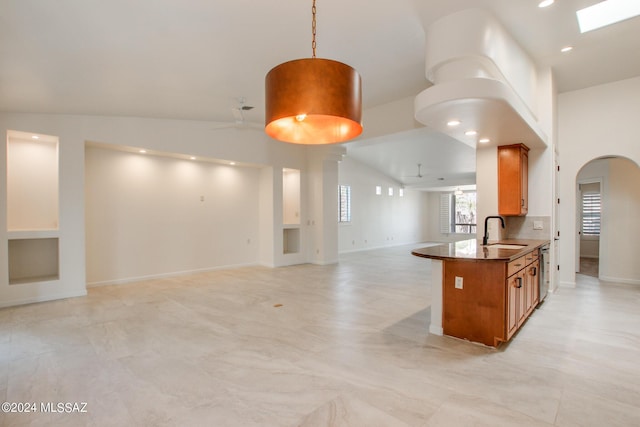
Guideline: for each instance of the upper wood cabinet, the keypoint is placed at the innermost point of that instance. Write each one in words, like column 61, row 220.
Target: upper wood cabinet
column 513, row 180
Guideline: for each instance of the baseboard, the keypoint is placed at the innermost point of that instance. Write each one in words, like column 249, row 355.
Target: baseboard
column 436, row 331
column 566, row 284
column 43, row 298
column 166, row 275
column 326, row 262
column 619, row 280
column 267, row 264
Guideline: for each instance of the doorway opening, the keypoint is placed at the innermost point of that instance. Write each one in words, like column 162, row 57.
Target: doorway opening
column 607, row 203
column 589, row 225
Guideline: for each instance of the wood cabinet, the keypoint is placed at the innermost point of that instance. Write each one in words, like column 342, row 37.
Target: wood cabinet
column 523, row 291
column 513, row 180
column 487, row 301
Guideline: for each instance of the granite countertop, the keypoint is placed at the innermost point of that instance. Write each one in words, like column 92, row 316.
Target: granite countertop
column 472, row 249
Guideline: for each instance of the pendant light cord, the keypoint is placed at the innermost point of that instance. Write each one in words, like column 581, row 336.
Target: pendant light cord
column 313, row 29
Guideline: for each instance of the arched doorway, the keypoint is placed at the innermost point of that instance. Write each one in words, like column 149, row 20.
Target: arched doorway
column 607, row 208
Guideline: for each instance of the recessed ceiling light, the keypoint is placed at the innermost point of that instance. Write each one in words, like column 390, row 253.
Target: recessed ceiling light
column 232, row 163
column 35, row 137
column 566, row 49
column 192, row 157
column 484, row 140
column 606, row 13
column 142, row 151
column 471, row 133
column 546, row 3
column 453, row 123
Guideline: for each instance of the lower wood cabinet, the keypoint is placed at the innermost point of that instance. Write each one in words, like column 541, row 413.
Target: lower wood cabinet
column 487, row 301
column 523, row 295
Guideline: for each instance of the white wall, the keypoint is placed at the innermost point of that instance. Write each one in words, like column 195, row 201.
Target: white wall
column 148, row 215
column 487, row 189
column 378, row 221
column 595, row 122
column 621, row 206
column 195, row 138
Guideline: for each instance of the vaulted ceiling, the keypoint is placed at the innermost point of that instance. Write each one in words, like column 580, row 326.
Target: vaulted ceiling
column 194, row 59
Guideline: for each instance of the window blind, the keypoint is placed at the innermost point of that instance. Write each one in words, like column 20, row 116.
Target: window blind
column 591, row 208
column 344, row 203
column 445, row 213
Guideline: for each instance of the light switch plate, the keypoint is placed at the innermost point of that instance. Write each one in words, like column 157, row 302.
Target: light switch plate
column 537, row 225
column 458, row 282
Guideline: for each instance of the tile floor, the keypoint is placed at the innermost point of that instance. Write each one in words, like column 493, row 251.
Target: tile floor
column 347, row 347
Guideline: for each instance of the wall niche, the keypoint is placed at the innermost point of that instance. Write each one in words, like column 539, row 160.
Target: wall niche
column 291, row 196
column 33, row 260
column 32, row 181
column 32, row 207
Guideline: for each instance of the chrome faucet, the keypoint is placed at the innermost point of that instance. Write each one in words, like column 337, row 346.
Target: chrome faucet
column 485, row 238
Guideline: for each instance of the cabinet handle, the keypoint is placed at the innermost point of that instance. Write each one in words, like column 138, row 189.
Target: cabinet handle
column 519, row 282
column 534, row 271
column 522, row 202
column 517, row 265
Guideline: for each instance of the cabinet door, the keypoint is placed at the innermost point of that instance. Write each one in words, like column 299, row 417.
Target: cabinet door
column 514, row 285
column 528, row 290
column 535, row 282
column 522, row 309
column 513, row 180
column 524, row 179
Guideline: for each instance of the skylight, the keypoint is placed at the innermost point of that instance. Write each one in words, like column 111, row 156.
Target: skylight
column 606, row 13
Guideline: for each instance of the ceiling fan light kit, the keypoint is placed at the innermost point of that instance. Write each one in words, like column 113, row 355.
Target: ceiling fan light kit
column 313, row 100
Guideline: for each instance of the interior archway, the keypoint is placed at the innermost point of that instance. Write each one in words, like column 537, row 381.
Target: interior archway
column 613, row 239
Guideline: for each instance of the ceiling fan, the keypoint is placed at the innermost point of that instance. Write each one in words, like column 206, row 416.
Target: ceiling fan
column 418, row 175
column 238, row 117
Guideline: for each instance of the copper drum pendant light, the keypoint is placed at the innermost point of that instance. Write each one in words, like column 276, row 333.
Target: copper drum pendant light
column 313, row 100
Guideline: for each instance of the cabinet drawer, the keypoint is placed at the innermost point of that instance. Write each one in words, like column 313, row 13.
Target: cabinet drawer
column 530, row 257
column 516, row 265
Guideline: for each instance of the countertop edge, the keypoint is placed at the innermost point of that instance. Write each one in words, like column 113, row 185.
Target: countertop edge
column 447, row 251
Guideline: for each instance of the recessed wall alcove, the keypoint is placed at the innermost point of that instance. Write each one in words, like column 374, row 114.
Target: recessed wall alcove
column 32, row 207
column 291, row 211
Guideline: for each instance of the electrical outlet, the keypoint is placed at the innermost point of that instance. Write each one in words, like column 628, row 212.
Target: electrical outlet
column 537, row 225
column 458, row 282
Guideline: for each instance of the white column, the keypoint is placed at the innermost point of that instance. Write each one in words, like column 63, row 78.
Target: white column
column 323, row 203
column 436, row 297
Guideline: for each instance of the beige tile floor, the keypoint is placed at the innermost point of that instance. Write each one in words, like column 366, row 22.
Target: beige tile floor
column 348, row 347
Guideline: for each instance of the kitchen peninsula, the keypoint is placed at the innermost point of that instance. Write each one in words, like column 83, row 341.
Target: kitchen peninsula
column 483, row 293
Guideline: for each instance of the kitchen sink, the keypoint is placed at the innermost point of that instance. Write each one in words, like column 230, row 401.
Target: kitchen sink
column 506, row 246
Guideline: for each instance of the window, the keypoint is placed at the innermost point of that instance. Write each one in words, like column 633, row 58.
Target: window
column 391, row 191
column 458, row 213
column 591, row 206
column 344, row 203
column 378, row 190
